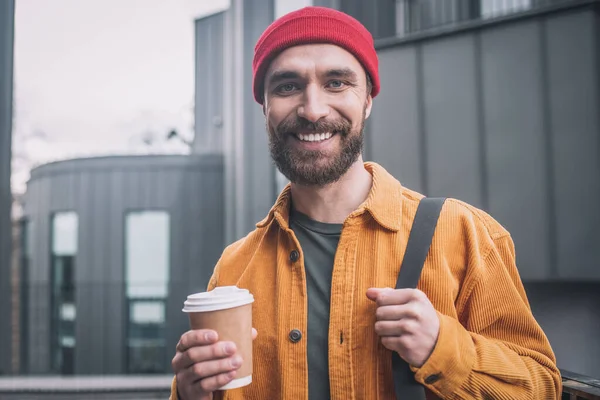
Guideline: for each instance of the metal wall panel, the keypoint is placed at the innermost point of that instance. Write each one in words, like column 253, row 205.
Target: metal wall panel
column 249, row 175
column 110, row 298
column 7, row 11
column 102, row 191
column 395, row 127
column 232, row 97
column 208, row 104
column 568, row 313
column 515, row 140
column 39, row 314
column 574, row 73
column 258, row 167
column 451, row 112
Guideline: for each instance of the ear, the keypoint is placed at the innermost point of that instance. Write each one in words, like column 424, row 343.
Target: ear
column 368, row 106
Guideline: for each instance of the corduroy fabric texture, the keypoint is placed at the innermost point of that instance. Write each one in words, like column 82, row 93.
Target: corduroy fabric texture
column 314, row 25
column 489, row 344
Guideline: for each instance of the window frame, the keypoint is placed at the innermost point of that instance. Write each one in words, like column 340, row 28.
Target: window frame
column 129, row 301
column 56, row 323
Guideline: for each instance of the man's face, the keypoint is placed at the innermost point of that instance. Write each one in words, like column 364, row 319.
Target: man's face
column 316, row 103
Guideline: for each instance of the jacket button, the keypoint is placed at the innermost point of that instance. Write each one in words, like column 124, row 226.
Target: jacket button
column 431, row 379
column 295, row 335
column 294, row 256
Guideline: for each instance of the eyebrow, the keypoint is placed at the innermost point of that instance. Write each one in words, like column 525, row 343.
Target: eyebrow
column 283, row 75
column 278, row 76
column 346, row 73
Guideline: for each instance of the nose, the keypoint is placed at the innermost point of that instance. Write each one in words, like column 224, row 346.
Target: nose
column 314, row 106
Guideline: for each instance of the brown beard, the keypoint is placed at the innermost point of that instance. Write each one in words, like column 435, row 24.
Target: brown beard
column 302, row 166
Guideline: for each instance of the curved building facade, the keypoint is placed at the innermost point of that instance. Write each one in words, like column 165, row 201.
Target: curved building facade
column 112, row 246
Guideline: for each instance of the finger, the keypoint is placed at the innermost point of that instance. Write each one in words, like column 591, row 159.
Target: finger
column 188, row 383
column 397, row 296
column 214, row 383
column 393, row 328
column 198, row 337
column 397, row 343
column 210, row 368
column 373, row 293
column 394, row 313
column 254, row 333
column 198, row 354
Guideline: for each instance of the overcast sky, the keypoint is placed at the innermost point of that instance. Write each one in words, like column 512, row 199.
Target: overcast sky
column 93, row 76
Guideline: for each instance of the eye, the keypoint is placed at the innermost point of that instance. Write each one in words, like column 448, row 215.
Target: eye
column 336, row 84
column 286, row 88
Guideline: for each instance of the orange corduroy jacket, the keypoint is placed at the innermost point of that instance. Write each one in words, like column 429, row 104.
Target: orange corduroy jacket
column 489, row 344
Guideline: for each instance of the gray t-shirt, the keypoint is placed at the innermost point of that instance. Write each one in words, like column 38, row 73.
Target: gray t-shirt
column 319, row 242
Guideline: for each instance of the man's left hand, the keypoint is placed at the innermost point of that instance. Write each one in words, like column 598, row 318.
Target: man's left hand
column 406, row 322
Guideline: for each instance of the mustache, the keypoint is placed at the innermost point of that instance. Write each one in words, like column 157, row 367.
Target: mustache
column 296, row 125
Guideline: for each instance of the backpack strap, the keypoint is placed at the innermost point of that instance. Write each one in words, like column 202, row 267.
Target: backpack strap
column 417, row 248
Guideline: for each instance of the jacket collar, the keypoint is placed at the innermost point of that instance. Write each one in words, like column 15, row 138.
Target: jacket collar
column 384, row 202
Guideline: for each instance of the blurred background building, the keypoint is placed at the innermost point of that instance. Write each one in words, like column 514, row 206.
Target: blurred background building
column 491, row 102
column 7, row 9
column 111, row 248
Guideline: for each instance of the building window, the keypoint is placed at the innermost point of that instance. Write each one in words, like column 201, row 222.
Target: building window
column 498, row 8
column 146, row 275
column 65, row 226
column 420, row 15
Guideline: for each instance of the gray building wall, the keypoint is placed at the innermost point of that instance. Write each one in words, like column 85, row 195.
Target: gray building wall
column 7, row 11
column 249, row 174
column 208, row 103
column 505, row 117
column 379, row 16
column 569, row 314
column 101, row 191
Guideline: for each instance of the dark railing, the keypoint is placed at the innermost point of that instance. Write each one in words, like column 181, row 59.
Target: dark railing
column 579, row 387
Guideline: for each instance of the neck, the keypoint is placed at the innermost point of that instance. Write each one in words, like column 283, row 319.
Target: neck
column 334, row 202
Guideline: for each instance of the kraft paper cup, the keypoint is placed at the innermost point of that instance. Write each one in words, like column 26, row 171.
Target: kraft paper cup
column 228, row 311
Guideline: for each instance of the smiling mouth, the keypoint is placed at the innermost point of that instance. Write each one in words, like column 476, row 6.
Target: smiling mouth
column 313, row 137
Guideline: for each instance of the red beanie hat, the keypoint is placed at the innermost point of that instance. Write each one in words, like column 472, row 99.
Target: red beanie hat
column 314, row 25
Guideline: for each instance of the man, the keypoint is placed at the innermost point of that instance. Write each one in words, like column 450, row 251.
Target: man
column 322, row 263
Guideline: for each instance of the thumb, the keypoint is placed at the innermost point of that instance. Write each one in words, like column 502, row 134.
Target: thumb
column 254, row 333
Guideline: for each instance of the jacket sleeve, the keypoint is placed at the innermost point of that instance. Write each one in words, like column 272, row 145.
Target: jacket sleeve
column 497, row 349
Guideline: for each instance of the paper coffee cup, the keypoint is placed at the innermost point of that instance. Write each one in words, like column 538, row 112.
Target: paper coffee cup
column 228, row 311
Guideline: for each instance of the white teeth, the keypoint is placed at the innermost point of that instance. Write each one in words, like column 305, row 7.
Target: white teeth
column 315, row 137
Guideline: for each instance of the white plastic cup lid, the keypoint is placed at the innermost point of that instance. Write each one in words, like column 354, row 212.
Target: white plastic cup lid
column 220, row 298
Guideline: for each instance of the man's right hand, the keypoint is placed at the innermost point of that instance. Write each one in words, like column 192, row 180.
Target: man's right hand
column 203, row 364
